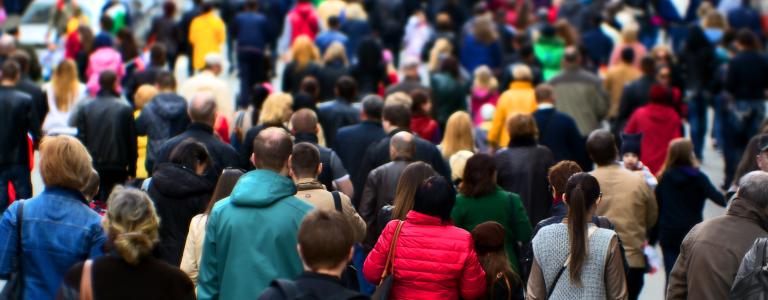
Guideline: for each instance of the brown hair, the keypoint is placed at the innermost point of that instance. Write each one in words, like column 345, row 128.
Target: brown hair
column 65, row 84
column 304, row 52
column 91, row 188
column 132, row 224
column 459, row 134
column 582, row 192
column 224, row 186
column 272, row 147
column 413, row 175
column 144, row 94
column 304, row 160
column 679, row 154
column 559, row 173
column 522, row 130
column 325, row 239
column 64, row 162
column 484, row 30
column 478, row 179
column 496, row 264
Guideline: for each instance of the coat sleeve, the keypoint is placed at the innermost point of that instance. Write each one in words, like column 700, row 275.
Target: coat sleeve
column 208, row 281
column 189, row 258
column 368, row 200
column 497, row 123
column 615, row 279
column 98, row 238
column 712, row 192
column 521, row 225
column 354, row 218
column 132, row 143
column 472, row 284
column 536, row 285
column 374, row 263
column 677, row 287
column 651, row 206
column 8, row 240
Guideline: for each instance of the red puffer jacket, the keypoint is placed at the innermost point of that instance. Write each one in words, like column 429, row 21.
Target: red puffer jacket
column 433, row 260
column 659, row 124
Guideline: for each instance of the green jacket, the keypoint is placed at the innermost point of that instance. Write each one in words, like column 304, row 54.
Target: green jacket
column 501, row 206
column 448, row 96
column 250, row 238
column 549, row 51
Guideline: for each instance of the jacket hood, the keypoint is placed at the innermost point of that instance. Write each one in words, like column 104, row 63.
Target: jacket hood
column 304, row 10
column 262, row 188
column 169, row 106
column 661, row 114
column 175, row 181
column 746, row 209
column 681, row 175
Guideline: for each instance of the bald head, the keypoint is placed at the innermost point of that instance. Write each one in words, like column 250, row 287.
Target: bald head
column 271, row 150
column 304, row 121
column 753, row 187
column 202, row 109
column 402, row 145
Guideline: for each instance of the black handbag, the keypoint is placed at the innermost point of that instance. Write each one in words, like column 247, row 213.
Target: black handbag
column 14, row 287
column 387, row 279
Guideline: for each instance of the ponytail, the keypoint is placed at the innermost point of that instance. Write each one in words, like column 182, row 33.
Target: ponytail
column 577, row 229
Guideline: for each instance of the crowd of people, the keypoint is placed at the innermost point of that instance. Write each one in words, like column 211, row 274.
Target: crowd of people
column 385, row 149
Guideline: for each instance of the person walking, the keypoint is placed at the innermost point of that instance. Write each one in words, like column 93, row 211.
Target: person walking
column 558, row 131
column 166, row 31
column 207, row 34
column 617, row 76
column 352, row 141
column 659, row 124
column 208, row 81
column 252, row 34
column 580, row 94
column 519, row 98
column 104, row 57
column 63, row 94
column 502, row 282
column 338, row 113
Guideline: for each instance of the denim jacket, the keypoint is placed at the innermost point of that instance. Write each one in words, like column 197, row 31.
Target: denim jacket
column 58, row 231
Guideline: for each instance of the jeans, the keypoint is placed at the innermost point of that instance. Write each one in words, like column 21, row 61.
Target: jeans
column 108, row 180
column 635, row 282
column 742, row 121
column 358, row 258
column 697, row 119
column 670, row 241
column 20, row 177
column 253, row 69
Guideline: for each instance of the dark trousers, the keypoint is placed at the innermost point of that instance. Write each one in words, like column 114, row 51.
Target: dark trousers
column 109, row 178
column 635, row 282
column 742, row 121
column 19, row 176
column 253, row 69
column 697, row 118
column 670, row 241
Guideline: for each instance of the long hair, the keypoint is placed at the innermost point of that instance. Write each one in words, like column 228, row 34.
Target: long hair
column 494, row 264
column 129, row 48
column 65, row 85
column 304, row 52
column 478, row 178
column 459, row 134
column 413, row 175
column 132, row 224
column 335, row 52
column 581, row 194
column 679, row 154
column 224, row 186
column 276, row 109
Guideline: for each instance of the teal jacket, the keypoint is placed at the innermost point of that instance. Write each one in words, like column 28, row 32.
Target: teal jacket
column 250, row 238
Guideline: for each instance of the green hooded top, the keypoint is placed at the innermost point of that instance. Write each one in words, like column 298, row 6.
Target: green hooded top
column 549, row 51
column 251, row 238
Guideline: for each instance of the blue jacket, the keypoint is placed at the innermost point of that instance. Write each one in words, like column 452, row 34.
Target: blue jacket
column 250, row 238
column 475, row 54
column 58, row 231
column 251, row 30
column 324, row 39
column 334, row 115
column 559, row 133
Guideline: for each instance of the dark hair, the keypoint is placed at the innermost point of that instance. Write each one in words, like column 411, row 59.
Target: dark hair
column 523, row 130
column 559, row 173
column 310, row 86
column 346, row 88
column 419, row 97
column 272, row 147
column 333, row 22
column 304, row 160
column 108, row 80
column 397, row 115
column 407, row 185
column 581, row 193
column 157, row 55
column 477, row 179
column 251, row 5
column 544, row 92
column 22, row 58
column 259, row 93
column 165, row 80
column 169, row 9
column 601, row 147
column 10, row 70
column 372, row 106
column 206, row 7
column 628, row 55
column 106, row 23
column 224, row 186
column 325, row 239
column 748, row 39
column 190, row 153
column 435, row 197
column 648, row 65
column 451, row 66
column 129, row 49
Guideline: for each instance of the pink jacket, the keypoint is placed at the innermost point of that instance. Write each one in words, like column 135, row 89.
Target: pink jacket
column 433, row 260
column 104, row 58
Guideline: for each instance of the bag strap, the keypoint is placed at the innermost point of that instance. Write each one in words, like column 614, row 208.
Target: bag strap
column 86, row 285
column 337, row 201
column 391, row 255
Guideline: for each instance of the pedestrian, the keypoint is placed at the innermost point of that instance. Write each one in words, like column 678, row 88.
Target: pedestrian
column 331, row 34
column 422, row 122
column 157, row 60
column 502, row 282
column 659, row 124
column 459, row 135
column 275, row 112
column 208, row 81
column 427, row 226
column 335, row 65
column 481, row 47
column 590, row 266
column 449, row 90
column 207, row 34
column 549, row 50
column 369, row 70
column 103, row 58
column 305, row 61
column 700, row 59
column 58, row 220
column 63, row 94
column 29, row 86
column 617, row 76
column 166, row 31
column 484, row 91
column 352, row 141
column 580, row 94
column 410, row 180
column 715, row 248
column 558, row 131
column 355, row 25
column 131, row 223
column 302, row 20
column 185, row 46
column 106, row 127
column 411, row 80
column 130, row 54
column 481, row 200
column 251, row 30
column 237, row 223
column 519, row 98
column 635, row 94
column 340, row 112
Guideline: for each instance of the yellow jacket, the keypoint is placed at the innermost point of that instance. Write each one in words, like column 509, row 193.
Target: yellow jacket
column 207, row 34
column 520, row 98
column 141, row 142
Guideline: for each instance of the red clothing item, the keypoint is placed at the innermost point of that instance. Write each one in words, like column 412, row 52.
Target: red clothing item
column 433, row 260
column 426, row 128
column 221, row 128
column 659, row 124
column 303, row 20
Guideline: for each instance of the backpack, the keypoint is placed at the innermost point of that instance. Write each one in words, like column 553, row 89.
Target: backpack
column 291, row 291
column 752, row 279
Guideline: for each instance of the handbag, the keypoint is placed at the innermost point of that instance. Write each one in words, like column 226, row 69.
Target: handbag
column 86, row 285
column 387, row 279
column 14, row 287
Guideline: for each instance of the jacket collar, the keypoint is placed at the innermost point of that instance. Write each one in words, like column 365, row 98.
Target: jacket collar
column 305, row 137
column 520, row 85
column 66, row 193
column 308, row 184
column 746, row 209
column 396, row 131
column 371, row 123
column 423, row 219
column 200, row 127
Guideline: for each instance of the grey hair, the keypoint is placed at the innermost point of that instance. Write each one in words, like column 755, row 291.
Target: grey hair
column 403, row 144
column 754, row 187
column 202, row 107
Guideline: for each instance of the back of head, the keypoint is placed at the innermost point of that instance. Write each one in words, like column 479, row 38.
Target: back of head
column 108, row 81
column 372, row 107
column 478, row 179
column 627, row 55
column 559, row 173
column 304, row 121
column 747, row 39
column 435, row 197
column 165, row 80
column 410, row 180
column 157, row 55
column 325, row 240
column 571, row 57
column 400, row 98
column 131, row 224
column 397, row 115
column 310, row 86
column 523, row 130
column 276, row 109
column 333, row 22
column 22, row 58
column 679, row 154
column 581, row 193
column 403, row 145
column 545, row 93
column 753, row 187
column 64, row 162
column 346, row 88
column 305, row 160
column 489, row 237
column 190, row 154
column 224, row 186
column 202, row 108
column 459, row 134
column 521, row 72
column 143, row 95
column 271, row 149
column 419, row 98
column 648, row 65
column 601, row 147
column 10, row 70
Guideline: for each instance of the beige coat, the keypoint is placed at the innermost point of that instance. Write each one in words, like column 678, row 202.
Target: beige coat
column 630, row 205
column 313, row 192
column 193, row 247
column 615, row 79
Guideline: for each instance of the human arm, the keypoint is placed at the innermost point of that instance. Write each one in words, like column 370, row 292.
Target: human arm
column 190, row 258
column 208, row 281
column 9, row 241
column 472, row 283
column 354, row 218
column 615, row 279
column 537, row 288
column 712, row 192
column 368, row 199
column 97, row 239
column 373, row 266
column 497, row 123
column 650, row 203
column 131, row 142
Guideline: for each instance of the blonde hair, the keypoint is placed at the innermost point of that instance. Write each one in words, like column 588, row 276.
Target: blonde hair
column 399, row 98
column 355, row 12
column 629, row 35
column 304, row 52
column 715, row 19
column 131, row 224
column 442, row 47
column 522, row 72
column 64, row 162
column 65, row 85
column 334, row 52
column 458, row 134
column 276, row 109
column 484, row 79
column 144, row 94
column 484, row 30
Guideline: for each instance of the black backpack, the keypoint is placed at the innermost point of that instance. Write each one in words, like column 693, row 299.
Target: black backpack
column 291, row 291
column 752, row 279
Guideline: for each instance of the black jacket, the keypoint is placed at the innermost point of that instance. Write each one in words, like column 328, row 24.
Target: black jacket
column 148, row 76
column 179, row 194
column 163, row 118
column 681, row 194
column 747, row 77
column 634, row 95
column 314, row 286
column 222, row 154
column 292, row 77
column 334, row 115
column 559, row 133
column 352, row 141
column 105, row 126
column 523, row 170
column 328, row 75
column 17, row 117
column 39, row 98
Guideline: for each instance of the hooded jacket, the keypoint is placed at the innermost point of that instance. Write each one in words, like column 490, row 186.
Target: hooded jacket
column 179, row 194
column 163, row 118
column 250, row 238
column 659, row 124
column 681, row 194
column 303, row 21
